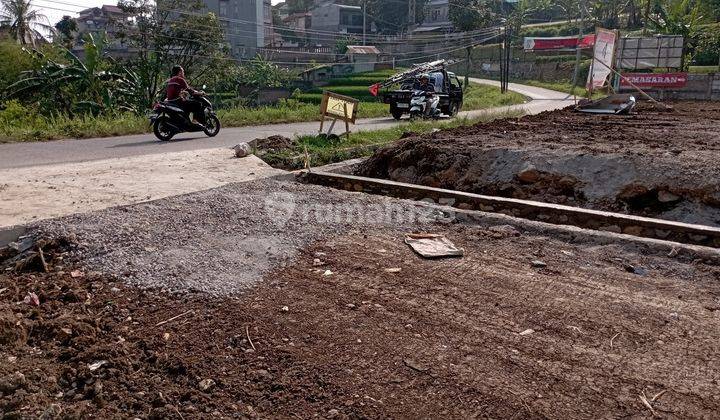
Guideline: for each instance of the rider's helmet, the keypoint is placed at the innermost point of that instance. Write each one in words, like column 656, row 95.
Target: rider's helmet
column 425, row 76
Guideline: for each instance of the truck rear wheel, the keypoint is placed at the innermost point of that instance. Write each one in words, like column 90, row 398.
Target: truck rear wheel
column 396, row 113
column 453, row 109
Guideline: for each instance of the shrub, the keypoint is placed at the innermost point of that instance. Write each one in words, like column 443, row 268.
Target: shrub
column 14, row 114
column 707, row 50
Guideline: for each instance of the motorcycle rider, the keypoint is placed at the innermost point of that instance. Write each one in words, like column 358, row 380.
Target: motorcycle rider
column 175, row 86
column 423, row 84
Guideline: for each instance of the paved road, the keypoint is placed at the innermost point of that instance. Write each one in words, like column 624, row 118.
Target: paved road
column 17, row 155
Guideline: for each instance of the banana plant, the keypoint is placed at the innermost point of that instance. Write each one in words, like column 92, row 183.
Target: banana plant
column 93, row 85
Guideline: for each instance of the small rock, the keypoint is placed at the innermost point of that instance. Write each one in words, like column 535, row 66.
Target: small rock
column 206, row 385
column 10, row 383
column 529, row 175
column 32, row 299
column 538, row 264
column 317, row 262
column 333, row 413
column 166, row 336
column 115, row 289
column 242, row 150
column 393, row 270
column 635, row 270
column 673, row 253
column 285, row 309
column 633, row 230
column 351, row 305
column 506, row 230
column 65, row 334
column 76, row 274
column 96, row 365
column 527, row 332
column 611, row 228
column 328, row 273
column 667, row 197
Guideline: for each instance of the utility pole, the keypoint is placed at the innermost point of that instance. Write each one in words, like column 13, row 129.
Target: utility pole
column 578, row 51
column 411, row 13
column 501, row 56
column 364, row 19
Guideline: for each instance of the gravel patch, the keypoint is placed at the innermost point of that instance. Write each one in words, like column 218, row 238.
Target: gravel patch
column 222, row 241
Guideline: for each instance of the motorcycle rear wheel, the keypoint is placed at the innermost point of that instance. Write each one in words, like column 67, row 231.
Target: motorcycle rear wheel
column 162, row 129
column 212, row 126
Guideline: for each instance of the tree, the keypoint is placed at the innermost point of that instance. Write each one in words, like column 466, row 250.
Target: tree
column 67, row 27
column 470, row 15
column 178, row 33
column 24, row 21
column 391, row 16
column 678, row 17
column 713, row 8
column 570, row 8
column 606, row 13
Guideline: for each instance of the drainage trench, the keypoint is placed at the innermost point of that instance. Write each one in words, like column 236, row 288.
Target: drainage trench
column 689, row 233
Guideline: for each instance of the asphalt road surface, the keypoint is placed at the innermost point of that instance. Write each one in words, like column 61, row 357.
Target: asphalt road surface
column 17, row 155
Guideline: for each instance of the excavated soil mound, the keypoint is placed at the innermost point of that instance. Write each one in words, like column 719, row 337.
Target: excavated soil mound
column 386, row 335
column 653, row 162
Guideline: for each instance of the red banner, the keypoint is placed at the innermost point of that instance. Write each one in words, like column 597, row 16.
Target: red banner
column 556, row 43
column 654, row 80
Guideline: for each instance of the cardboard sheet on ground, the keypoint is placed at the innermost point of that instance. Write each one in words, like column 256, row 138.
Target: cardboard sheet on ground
column 432, row 246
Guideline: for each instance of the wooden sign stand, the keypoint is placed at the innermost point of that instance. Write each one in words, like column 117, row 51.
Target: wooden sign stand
column 348, row 116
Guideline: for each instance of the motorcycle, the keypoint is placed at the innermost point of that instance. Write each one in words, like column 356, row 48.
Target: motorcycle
column 168, row 119
column 421, row 99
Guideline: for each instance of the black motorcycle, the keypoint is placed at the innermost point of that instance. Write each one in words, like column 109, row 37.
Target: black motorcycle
column 168, row 119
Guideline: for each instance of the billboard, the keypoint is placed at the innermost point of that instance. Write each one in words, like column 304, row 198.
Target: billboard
column 603, row 56
column 647, row 53
column 654, row 80
column 557, row 43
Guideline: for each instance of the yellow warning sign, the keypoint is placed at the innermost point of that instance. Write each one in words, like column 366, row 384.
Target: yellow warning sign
column 339, row 106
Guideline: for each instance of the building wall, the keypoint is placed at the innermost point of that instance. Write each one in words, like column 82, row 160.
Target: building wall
column 335, row 18
column 245, row 31
column 437, row 15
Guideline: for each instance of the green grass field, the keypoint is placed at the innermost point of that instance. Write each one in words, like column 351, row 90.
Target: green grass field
column 20, row 124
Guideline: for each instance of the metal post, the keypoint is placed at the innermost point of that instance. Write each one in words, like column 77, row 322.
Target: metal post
column 501, row 47
column 411, row 14
column 578, row 52
column 364, row 19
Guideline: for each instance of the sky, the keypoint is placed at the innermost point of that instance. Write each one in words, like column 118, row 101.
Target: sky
column 71, row 7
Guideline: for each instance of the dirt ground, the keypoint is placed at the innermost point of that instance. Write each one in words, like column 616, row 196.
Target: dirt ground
column 525, row 325
column 651, row 163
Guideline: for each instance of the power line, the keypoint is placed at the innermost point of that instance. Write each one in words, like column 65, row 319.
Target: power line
column 262, row 24
column 230, row 33
column 337, row 62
